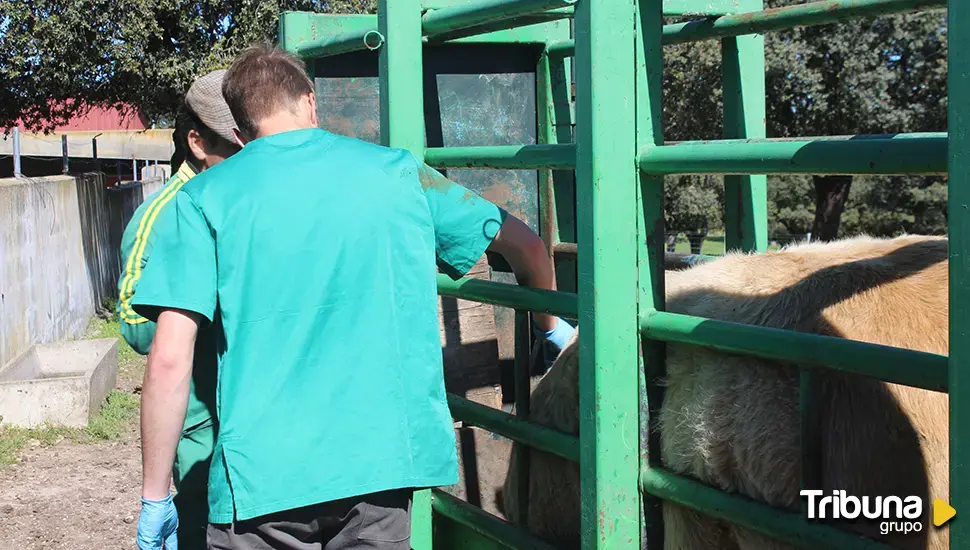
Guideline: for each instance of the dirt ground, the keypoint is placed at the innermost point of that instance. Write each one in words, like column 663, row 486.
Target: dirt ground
column 78, row 492
column 74, row 494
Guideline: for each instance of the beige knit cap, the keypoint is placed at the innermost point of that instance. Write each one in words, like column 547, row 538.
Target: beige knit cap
column 205, row 99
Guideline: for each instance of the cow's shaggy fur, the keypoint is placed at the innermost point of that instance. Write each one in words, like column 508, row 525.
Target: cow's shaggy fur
column 733, row 421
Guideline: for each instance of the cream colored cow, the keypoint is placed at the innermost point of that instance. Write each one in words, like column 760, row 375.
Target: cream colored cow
column 733, row 421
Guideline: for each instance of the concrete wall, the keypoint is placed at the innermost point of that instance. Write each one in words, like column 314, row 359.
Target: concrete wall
column 59, row 258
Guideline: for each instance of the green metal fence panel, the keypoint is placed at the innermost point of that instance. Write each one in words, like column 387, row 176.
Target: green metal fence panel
column 958, row 123
column 606, row 219
column 916, row 154
column 619, row 227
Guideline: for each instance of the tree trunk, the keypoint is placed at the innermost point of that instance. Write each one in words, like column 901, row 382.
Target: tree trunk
column 696, row 241
column 830, row 195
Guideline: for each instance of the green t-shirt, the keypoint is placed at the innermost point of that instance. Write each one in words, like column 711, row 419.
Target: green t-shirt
column 137, row 243
column 318, row 254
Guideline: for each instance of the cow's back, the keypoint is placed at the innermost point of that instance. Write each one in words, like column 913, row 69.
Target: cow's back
column 733, row 421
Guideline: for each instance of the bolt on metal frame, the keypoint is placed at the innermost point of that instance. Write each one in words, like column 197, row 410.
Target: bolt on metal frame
column 620, row 158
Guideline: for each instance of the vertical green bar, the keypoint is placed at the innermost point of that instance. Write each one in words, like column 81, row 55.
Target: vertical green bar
column 745, row 197
column 958, row 122
column 402, row 125
column 400, row 61
column 523, row 334
column 555, row 126
column 606, row 180
column 651, row 242
column 811, row 431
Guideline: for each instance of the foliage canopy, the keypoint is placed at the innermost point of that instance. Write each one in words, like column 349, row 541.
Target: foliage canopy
column 875, row 75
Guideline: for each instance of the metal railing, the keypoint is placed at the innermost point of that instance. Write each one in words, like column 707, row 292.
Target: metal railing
column 619, row 198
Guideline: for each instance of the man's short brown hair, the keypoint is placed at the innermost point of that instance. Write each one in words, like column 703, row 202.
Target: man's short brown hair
column 261, row 82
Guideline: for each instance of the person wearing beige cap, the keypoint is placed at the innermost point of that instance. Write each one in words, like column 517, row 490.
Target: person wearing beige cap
column 205, row 129
column 331, row 395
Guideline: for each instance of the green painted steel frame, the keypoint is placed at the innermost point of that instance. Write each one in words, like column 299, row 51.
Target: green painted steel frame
column 958, row 225
column 318, row 35
column 618, row 57
column 606, row 221
column 745, row 196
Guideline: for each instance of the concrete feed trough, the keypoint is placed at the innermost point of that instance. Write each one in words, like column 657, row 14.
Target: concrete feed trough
column 63, row 384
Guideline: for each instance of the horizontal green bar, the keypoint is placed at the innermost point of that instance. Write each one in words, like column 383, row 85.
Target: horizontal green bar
column 782, row 525
column 562, row 48
column 898, row 366
column 564, row 304
column 341, row 43
column 506, row 425
column 492, row 527
column 482, row 12
column 554, row 156
column 507, row 26
column 483, row 15
column 917, row 154
column 800, row 15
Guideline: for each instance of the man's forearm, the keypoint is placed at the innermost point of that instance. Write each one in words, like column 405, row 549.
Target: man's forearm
column 165, row 397
column 529, row 260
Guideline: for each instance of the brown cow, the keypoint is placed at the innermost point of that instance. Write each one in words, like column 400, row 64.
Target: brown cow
column 733, row 422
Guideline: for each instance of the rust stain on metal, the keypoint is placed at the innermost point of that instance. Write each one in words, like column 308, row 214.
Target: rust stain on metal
column 500, row 194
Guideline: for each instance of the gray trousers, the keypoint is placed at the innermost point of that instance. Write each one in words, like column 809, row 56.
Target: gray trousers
column 380, row 521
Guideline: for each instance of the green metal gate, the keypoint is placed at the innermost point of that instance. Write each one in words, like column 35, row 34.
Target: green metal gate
column 616, row 220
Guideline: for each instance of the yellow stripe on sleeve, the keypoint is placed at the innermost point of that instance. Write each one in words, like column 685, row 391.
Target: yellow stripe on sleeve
column 133, row 266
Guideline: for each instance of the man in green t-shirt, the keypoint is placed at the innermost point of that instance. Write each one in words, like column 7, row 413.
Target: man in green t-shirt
column 314, row 255
column 205, row 128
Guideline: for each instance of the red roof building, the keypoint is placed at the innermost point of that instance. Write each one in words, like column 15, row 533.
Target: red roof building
column 103, row 119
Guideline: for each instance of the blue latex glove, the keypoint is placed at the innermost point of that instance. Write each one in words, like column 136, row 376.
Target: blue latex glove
column 557, row 337
column 158, row 523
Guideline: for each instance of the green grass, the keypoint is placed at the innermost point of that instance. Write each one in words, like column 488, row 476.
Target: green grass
column 13, row 439
column 130, row 363
column 119, row 409
column 115, row 416
column 713, row 244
